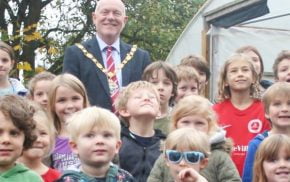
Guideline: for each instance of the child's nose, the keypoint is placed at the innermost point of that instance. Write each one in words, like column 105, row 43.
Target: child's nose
column 4, row 139
column 183, row 163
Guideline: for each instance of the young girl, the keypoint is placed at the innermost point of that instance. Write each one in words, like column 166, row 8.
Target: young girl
column 7, row 60
column 42, row 147
column 196, row 112
column 38, row 87
column 272, row 162
column 239, row 110
column 163, row 76
column 258, row 64
column 67, row 95
column 184, row 156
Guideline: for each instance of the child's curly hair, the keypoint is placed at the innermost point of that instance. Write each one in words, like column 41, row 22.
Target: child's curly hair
column 17, row 109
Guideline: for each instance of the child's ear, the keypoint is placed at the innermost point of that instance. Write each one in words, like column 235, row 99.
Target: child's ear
column 73, row 146
column 124, row 113
column 267, row 115
column 118, row 146
column 203, row 163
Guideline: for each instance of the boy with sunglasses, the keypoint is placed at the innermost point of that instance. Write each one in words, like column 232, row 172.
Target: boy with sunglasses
column 186, row 153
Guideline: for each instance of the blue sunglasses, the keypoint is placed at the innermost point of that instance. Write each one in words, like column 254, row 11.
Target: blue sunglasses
column 191, row 157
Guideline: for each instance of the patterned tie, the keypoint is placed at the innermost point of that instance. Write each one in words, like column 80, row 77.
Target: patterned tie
column 113, row 81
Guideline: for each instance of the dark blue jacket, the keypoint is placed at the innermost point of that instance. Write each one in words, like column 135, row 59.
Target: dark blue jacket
column 137, row 159
column 95, row 81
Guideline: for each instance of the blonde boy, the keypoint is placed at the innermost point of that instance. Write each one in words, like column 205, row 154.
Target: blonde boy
column 95, row 138
column 186, row 153
column 188, row 81
column 281, row 67
column 276, row 101
column 138, row 104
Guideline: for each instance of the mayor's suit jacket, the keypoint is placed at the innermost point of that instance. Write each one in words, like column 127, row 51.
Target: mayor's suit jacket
column 95, row 81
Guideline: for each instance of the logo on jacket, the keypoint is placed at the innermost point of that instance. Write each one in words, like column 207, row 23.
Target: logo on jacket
column 255, row 126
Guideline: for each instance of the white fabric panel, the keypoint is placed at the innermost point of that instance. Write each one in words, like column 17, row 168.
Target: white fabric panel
column 225, row 41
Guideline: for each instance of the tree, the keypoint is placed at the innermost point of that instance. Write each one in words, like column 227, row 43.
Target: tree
column 30, row 27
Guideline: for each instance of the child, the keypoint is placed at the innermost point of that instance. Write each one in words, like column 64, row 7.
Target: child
column 42, row 147
column 7, row 60
column 164, row 78
column 39, row 86
column 196, row 112
column 16, row 136
column 201, row 66
column 272, row 162
column 281, row 67
column 96, row 140
column 138, row 104
column 188, row 82
column 67, row 95
column 239, row 110
column 276, row 102
column 257, row 62
column 186, row 153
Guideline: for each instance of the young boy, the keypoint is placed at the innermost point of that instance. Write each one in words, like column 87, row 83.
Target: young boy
column 95, row 138
column 16, row 135
column 163, row 77
column 188, row 82
column 138, row 104
column 186, row 153
column 276, row 100
column 281, row 67
column 201, row 66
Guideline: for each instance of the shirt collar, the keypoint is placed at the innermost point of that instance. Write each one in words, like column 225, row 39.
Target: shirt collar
column 103, row 45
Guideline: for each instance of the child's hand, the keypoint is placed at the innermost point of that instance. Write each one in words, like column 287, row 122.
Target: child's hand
column 190, row 175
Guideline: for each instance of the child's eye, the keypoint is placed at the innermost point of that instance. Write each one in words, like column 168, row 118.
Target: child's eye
column 89, row 135
column 39, row 93
column 61, row 100
column 199, row 123
column 272, row 160
column 43, row 133
column 167, row 83
column 182, row 88
column 277, row 103
column 108, row 135
column 76, row 98
column 14, row 133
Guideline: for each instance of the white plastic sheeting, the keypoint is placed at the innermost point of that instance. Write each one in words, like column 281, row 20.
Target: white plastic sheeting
column 224, row 42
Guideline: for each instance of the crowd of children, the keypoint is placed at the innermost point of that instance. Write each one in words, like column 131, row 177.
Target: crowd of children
column 164, row 128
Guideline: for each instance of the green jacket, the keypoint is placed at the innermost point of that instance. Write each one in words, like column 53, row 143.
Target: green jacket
column 20, row 173
column 220, row 166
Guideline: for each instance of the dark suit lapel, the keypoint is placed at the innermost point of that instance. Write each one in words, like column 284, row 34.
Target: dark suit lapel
column 94, row 48
column 126, row 71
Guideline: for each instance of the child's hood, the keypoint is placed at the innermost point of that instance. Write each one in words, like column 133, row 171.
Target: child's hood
column 18, row 86
column 219, row 141
column 18, row 168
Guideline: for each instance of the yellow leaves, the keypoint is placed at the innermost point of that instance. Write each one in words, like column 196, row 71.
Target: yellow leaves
column 24, row 65
column 39, row 69
column 17, row 47
column 52, row 51
column 32, row 37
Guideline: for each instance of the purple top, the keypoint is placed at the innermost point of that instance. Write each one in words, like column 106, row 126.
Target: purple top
column 62, row 156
